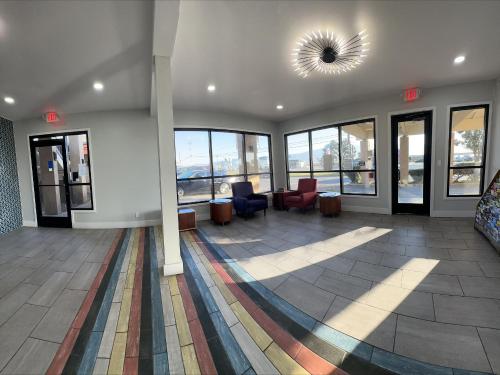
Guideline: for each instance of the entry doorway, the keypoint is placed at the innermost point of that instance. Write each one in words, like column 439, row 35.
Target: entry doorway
column 50, row 182
column 411, row 148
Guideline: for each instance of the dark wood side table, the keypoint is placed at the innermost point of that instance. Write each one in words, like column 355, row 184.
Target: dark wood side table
column 329, row 204
column 279, row 200
column 187, row 219
column 221, row 211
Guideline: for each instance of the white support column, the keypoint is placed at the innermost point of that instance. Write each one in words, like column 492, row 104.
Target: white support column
column 168, row 189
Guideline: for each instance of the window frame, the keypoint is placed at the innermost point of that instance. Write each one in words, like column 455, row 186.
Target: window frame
column 212, row 178
column 64, row 134
column 340, row 171
column 481, row 167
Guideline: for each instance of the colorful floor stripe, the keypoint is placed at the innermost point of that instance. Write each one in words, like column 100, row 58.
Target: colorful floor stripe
column 214, row 318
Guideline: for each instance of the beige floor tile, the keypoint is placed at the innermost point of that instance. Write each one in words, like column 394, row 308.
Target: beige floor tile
column 432, row 283
column 370, row 324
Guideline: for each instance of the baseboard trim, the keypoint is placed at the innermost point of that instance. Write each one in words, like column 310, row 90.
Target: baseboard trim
column 452, row 213
column 116, row 224
column 29, row 223
column 369, row 210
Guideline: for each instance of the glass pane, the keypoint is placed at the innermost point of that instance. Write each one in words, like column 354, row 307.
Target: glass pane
column 194, row 190
column 257, row 153
column 50, row 165
column 465, row 181
column 223, row 188
column 227, row 153
column 294, row 179
column 359, row 182
column 77, row 153
column 411, row 150
column 467, row 137
column 53, row 201
column 298, row 152
column 81, row 196
column 328, row 181
column 261, row 183
column 325, row 149
column 358, row 146
column 192, row 154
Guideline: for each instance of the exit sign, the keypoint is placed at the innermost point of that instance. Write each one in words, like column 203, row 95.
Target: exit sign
column 51, row 117
column 410, row 95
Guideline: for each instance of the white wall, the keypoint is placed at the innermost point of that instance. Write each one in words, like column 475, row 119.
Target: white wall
column 201, row 119
column 124, row 161
column 440, row 99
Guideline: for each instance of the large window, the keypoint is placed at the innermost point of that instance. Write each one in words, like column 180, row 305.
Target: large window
column 467, row 150
column 209, row 161
column 341, row 157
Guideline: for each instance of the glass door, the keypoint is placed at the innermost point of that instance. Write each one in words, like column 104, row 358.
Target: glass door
column 411, row 136
column 48, row 158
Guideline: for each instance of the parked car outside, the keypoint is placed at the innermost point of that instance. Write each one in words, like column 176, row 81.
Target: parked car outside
column 200, row 182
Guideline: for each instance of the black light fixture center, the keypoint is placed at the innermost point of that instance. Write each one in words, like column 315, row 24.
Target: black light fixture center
column 329, row 55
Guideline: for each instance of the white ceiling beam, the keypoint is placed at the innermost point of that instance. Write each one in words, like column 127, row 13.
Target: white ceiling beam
column 165, row 20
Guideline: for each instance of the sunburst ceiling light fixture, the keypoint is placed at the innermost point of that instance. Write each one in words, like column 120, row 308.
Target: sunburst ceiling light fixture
column 327, row 53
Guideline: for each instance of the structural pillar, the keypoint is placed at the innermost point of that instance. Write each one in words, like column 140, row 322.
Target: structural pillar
column 166, row 146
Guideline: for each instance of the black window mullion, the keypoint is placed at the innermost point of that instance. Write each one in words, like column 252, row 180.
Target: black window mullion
column 341, row 174
column 245, row 171
column 211, row 163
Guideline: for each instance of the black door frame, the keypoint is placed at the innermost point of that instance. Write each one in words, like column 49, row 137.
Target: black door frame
column 412, row 208
column 50, row 221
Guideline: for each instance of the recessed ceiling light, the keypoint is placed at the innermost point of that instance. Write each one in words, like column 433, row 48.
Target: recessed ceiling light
column 9, row 100
column 459, row 59
column 98, row 86
column 279, row 107
column 211, row 88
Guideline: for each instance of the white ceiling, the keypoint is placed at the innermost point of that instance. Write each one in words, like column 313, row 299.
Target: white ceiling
column 51, row 52
column 244, row 48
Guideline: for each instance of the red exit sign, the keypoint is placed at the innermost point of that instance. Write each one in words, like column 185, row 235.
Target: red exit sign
column 51, row 117
column 410, row 95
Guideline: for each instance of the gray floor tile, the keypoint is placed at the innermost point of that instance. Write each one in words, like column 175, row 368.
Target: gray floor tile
column 14, row 300
column 101, row 366
column 343, row 285
column 175, row 364
column 490, row 269
column 84, row 277
column 491, row 342
column 480, row 286
column 16, row 330
column 50, row 290
column 381, row 274
column 55, row 324
column 34, row 357
column 481, row 312
column 108, row 336
column 440, row 344
column 307, row 297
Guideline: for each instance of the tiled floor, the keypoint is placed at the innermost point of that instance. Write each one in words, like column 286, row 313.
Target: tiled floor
column 424, row 288
column 286, row 293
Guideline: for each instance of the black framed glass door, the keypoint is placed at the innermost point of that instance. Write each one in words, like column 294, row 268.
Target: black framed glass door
column 50, row 182
column 411, row 148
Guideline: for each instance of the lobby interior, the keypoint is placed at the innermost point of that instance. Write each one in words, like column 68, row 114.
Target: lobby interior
column 250, row 187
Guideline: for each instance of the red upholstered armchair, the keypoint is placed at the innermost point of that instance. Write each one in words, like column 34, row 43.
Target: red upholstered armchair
column 305, row 196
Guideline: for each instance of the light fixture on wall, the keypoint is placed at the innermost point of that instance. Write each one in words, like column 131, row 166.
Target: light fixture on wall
column 211, row 88
column 280, row 107
column 326, row 53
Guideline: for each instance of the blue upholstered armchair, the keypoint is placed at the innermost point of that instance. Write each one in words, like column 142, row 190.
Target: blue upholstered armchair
column 245, row 201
